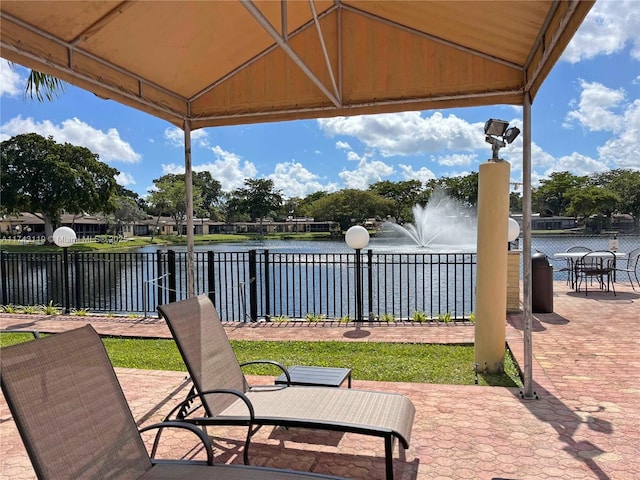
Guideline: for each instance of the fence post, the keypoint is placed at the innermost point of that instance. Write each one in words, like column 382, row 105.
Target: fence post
column 253, row 287
column 160, row 291
column 5, row 279
column 267, row 285
column 211, row 277
column 171, row 259
column 370, row 283
column 76, row 276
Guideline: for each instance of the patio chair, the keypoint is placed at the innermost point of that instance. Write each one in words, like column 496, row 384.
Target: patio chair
column 75, row 422
column 598, row 265
column 570, row 267
column 631, row 267
column 212, row 365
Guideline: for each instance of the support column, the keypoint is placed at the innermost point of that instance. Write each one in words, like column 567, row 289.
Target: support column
column 188, row 179
column 491, row 276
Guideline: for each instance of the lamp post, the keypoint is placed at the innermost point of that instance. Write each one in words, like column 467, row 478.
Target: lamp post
column 64, row 237
column 357, row 237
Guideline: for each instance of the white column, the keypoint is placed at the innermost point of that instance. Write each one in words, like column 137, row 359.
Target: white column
column 491, row 273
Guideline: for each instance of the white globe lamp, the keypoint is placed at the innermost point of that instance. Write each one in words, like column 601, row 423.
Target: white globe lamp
column 514, row 230
column 64, row 237
column 357, row 237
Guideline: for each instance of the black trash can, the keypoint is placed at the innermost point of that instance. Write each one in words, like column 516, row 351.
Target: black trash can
column 541, row 284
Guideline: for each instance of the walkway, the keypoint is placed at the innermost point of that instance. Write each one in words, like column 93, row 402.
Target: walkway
column 585, row 424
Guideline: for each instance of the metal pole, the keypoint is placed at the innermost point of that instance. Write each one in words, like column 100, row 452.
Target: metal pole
column 189, row 193
column 65, row 266
column 358, row 286
column 526, row 247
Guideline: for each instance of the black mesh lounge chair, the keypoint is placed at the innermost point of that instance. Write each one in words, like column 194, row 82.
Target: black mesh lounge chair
column 212, row 365
column 75, row 421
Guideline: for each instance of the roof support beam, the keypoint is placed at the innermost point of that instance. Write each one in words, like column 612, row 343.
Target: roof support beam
column 284, row 45
column 401, row 101
column 324, row 50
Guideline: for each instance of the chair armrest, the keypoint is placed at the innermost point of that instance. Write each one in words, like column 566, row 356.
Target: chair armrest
column 270, row 362
column 206, row 441
column 187, row 401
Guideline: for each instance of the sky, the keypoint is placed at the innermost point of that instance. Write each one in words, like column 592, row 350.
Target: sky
column 585, row 120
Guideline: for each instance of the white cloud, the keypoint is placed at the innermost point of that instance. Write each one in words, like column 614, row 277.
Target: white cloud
column 11, row 82
column 623, row 151
column 109, row 146
column 366, row 173
column 577, row 164
column 294, row 180
column 423, row 174
column 408, row 133
column 455, row 159
column 125, row 179
column 608, row 28
column 343, row 145
column 596, row 107
column 228, row 168
column 175, row 137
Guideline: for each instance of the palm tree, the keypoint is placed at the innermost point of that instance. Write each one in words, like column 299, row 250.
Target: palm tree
column 42, row 85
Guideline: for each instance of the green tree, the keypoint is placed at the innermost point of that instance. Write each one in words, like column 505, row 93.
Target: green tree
column 46, row 178
column 515, row 202
column 463, row 188
column 258, row 199
column 625, row 184
column 169, row 197
column 126, row 211
column 590, row 200
column 550, row 198
column 351, row 207
column 305, row 205
column 211, row 193
column 404, row 195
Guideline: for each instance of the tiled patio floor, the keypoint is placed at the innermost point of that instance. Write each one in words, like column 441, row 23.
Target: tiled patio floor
column 585, row 424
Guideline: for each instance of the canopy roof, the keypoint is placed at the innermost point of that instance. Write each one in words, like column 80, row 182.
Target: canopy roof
column 211, row 63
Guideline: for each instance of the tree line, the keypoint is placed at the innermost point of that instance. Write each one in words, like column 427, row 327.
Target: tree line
column 46, row 179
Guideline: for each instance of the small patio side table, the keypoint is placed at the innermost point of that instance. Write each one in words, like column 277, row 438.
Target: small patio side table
column 316, row 376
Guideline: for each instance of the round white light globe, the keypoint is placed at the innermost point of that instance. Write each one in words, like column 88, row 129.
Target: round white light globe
column 357, row 237
column 514, row 230
column 64, row 237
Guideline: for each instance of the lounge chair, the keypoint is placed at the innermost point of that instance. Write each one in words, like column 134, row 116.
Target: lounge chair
column 75, row 421
column 212, row 365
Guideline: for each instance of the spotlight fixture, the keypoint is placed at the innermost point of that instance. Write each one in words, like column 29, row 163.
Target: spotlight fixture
column 498, row 135
column 495, row 127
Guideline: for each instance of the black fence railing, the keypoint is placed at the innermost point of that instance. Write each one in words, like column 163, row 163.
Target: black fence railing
column 247, row 286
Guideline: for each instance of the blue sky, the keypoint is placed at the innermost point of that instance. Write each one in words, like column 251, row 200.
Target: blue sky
column 586, row 119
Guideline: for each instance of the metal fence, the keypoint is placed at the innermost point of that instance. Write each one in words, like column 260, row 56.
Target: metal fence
column 247, row 286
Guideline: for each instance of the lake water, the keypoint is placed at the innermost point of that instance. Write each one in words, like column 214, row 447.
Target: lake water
column 548, row 244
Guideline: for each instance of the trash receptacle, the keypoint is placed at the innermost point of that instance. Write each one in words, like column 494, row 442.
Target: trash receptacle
column 541, row 284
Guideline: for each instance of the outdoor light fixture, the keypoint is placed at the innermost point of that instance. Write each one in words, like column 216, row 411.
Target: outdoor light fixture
column 498, row 135
column 65, row 237
column 357, row 237
column 513, row 232
column 495, row 127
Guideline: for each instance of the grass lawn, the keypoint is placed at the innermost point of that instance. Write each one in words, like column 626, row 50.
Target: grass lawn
column 394, row 362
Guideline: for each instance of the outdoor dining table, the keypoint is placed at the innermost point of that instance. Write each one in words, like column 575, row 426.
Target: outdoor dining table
column 573, row 257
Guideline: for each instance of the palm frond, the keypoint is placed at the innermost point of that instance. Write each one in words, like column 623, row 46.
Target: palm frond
column 41, row 86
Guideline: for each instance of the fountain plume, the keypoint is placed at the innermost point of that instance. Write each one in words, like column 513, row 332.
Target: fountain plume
column 442, row 224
